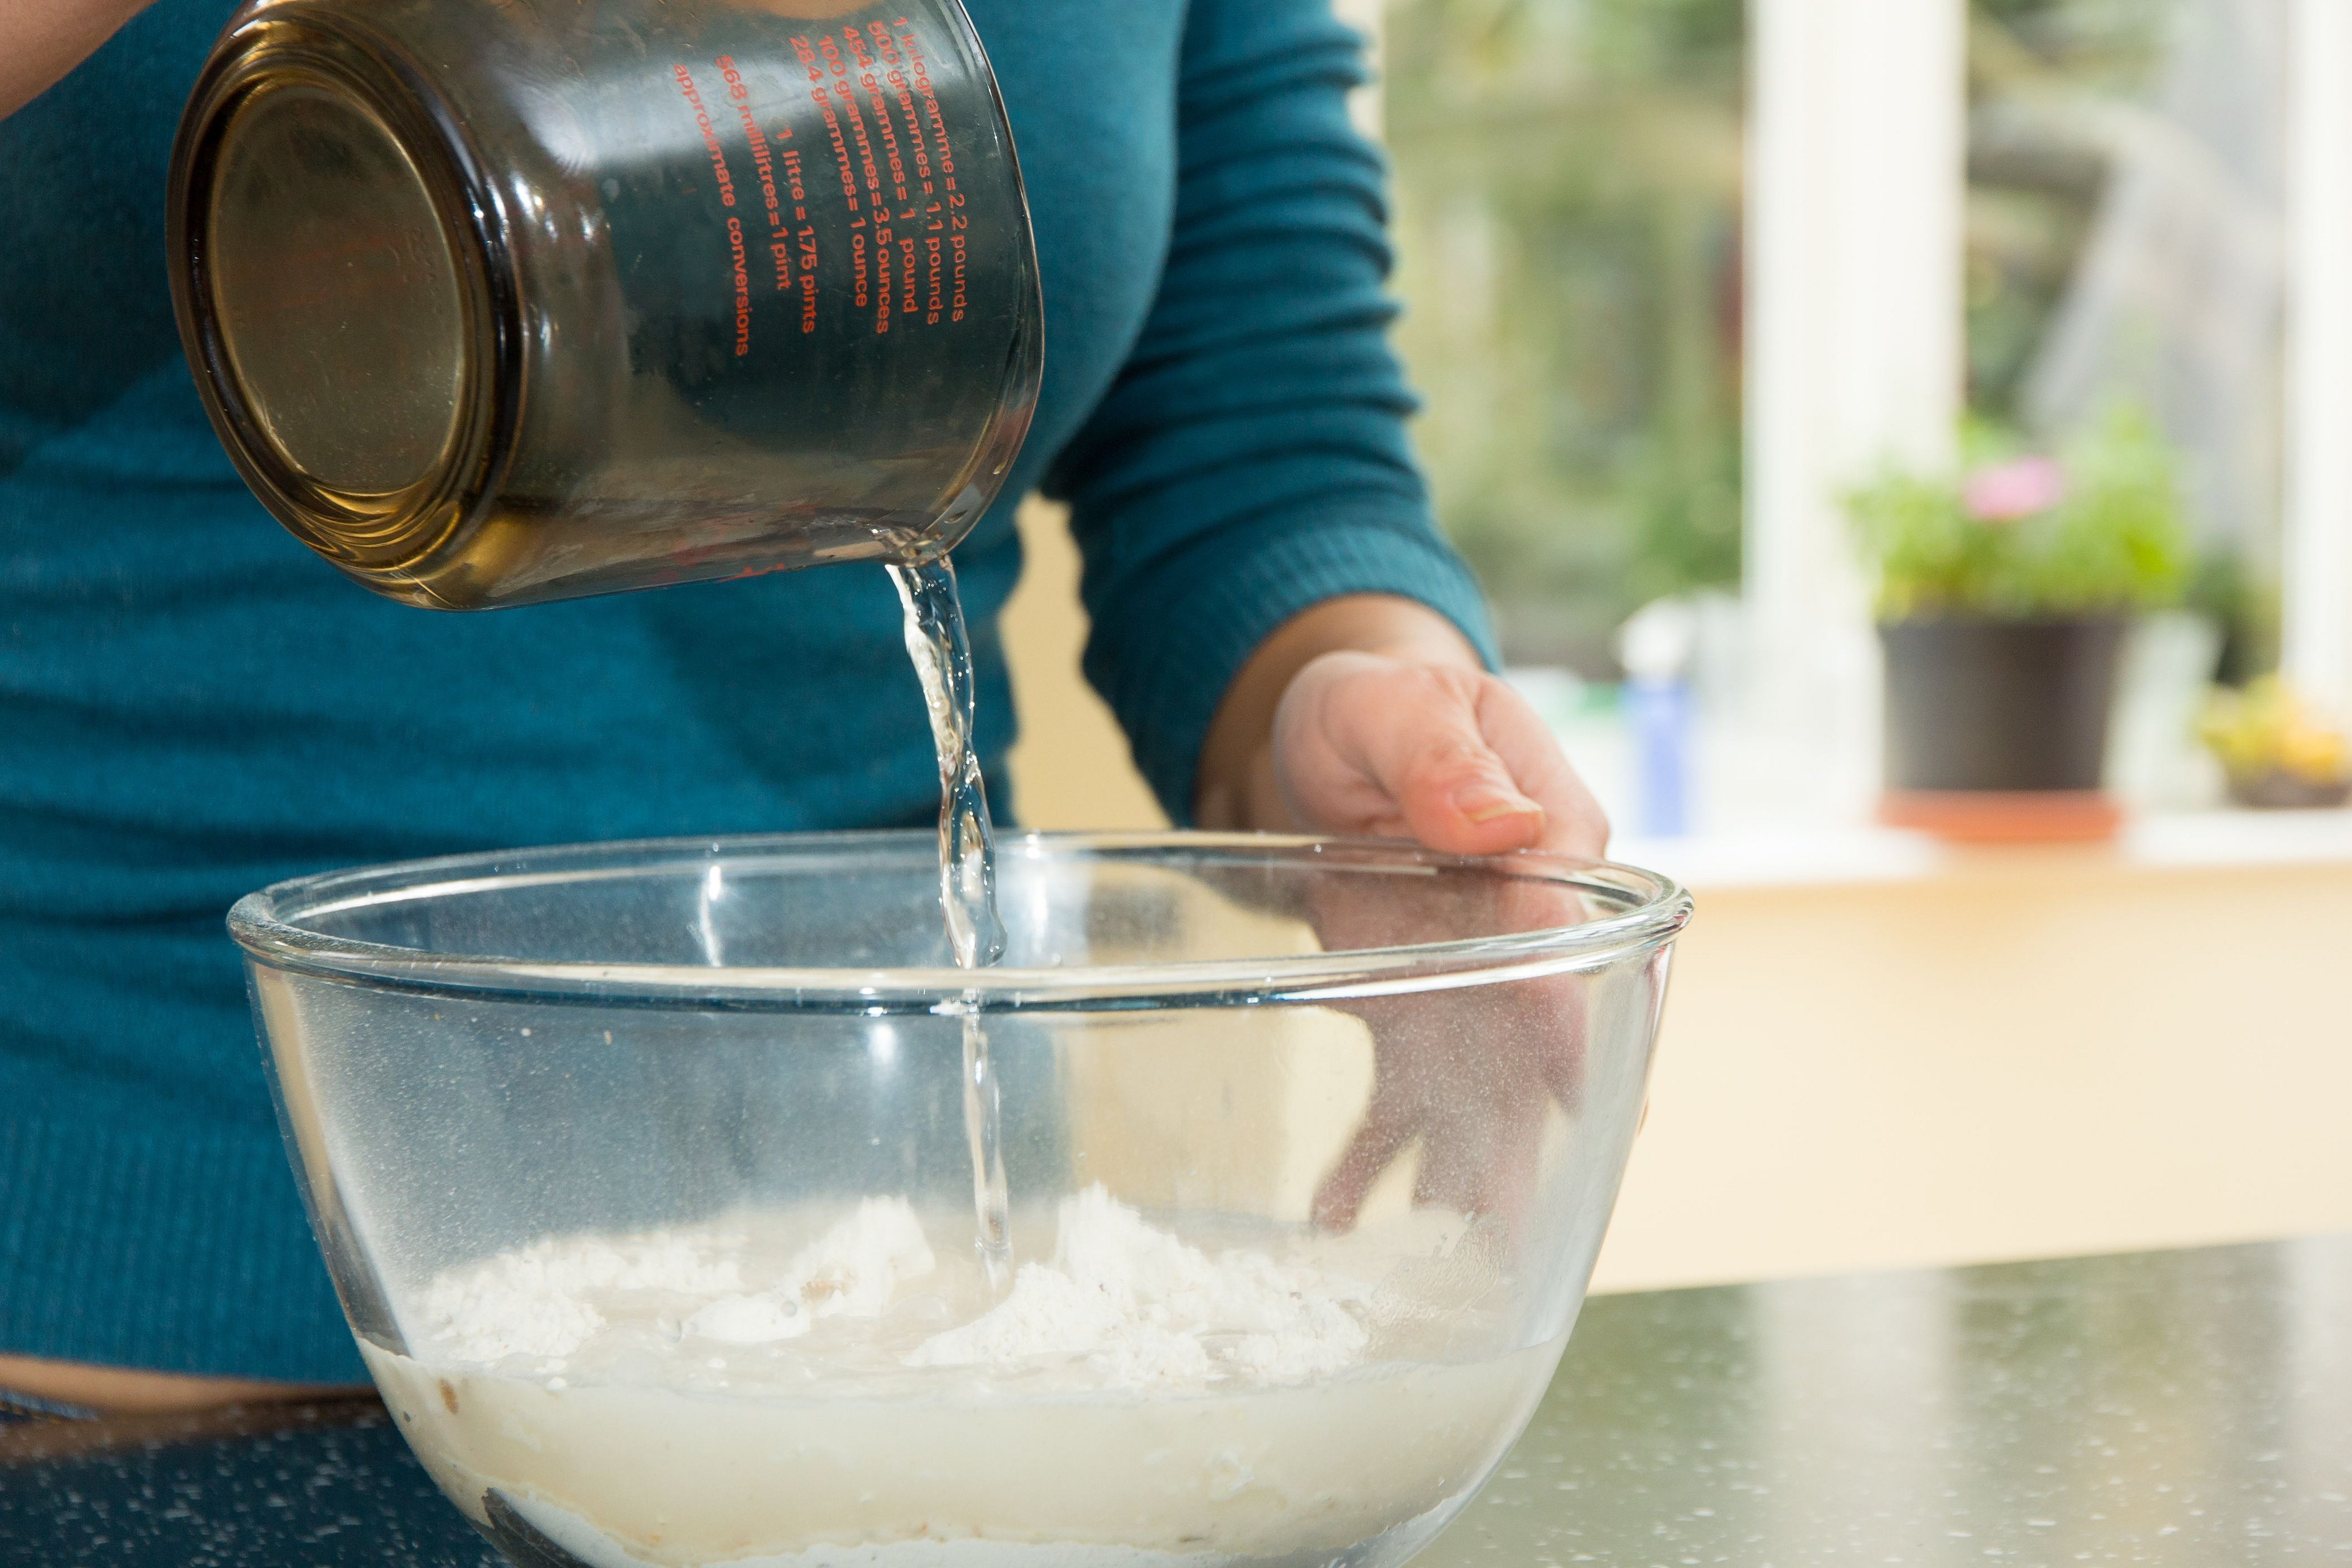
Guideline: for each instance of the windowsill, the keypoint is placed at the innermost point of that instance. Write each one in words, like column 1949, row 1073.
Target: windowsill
column 1868, row 855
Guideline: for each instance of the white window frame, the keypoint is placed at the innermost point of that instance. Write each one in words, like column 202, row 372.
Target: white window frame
column 2316, row 554
column 1856, row 176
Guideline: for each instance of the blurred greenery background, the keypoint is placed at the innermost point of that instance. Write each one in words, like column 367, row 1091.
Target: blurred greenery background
column 1568, row 195
column 1568, row 179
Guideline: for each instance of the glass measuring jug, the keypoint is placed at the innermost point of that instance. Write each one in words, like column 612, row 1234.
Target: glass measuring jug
column 494, row 303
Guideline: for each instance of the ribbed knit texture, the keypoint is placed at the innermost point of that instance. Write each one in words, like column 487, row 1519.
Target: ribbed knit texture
column 192, row 706
column 1250, row 458
column 170, row 1240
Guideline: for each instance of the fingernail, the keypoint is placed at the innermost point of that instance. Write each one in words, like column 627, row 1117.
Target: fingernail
column 1485, row 801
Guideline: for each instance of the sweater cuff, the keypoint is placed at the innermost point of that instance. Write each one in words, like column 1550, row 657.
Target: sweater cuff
column 1165, row 671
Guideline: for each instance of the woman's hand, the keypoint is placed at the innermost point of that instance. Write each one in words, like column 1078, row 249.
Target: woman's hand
column 1390, row 747
column 1371, row 715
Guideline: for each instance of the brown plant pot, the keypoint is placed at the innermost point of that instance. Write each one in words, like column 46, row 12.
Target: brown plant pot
column 2000, row 721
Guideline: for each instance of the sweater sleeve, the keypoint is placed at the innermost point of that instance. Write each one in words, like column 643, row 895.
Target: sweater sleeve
column 1250, row 460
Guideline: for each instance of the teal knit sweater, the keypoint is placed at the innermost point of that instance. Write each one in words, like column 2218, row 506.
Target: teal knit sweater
column 192, row 705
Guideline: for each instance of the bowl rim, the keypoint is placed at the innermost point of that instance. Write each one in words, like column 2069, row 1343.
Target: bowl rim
column 267, row 925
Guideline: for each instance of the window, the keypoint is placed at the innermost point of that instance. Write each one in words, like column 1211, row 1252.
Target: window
column 1677, row 272
column 1567, row 177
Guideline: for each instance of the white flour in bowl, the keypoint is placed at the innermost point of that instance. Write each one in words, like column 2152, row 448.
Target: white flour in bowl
column 1147, row 1310
column 763, row 1391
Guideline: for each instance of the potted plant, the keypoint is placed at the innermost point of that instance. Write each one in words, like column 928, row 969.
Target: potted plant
column 2279, row 751
column 2004, row 591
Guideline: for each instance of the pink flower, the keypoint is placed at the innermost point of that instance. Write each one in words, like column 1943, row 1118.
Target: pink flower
column 2010, row 492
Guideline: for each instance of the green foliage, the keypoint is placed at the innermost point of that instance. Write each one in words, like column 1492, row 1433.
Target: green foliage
column 2042, row 73
column 1666, row 40
column 2246, row 606
column 1569, row 189
column 2115, row 541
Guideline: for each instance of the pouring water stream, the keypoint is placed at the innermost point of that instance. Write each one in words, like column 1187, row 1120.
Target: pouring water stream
column 937, row 643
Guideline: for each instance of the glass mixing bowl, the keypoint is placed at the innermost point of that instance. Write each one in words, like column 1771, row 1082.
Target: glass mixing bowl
column 647, row 1174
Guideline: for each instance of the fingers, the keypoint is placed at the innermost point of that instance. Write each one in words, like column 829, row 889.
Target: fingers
column 1489, row 1175
column 1388, row 1126
column 1366, row 743
column 1452, row 757
column 1573, row 823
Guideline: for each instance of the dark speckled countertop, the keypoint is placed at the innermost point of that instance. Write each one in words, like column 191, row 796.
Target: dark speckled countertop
column 2186, row 1408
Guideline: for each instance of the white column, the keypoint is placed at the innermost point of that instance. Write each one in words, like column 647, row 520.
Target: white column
column 1366, row 16
column 1856, row 176
column 2316, row 561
